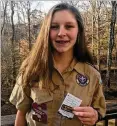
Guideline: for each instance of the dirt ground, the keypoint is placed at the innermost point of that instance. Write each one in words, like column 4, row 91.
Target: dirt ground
column 7, row 108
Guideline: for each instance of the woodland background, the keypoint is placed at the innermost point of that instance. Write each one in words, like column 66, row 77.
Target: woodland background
column 20, row 25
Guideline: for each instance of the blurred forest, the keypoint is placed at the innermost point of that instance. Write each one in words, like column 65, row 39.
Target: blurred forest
column 20, row 25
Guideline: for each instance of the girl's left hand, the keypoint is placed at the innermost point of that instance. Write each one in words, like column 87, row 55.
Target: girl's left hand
column 87, row 115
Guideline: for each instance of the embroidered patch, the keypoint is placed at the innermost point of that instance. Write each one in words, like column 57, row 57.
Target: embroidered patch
column 82, row 80
column 40, row 112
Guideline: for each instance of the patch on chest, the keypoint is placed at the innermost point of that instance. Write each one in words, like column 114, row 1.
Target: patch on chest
column 40, row 113
column 82, row 80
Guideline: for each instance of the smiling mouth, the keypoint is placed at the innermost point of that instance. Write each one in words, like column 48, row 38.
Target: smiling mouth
column 62, row 41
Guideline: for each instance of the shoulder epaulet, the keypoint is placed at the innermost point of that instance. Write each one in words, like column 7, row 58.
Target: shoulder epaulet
column 93, row 66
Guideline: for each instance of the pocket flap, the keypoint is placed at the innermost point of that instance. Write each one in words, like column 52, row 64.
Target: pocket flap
column 40, row 96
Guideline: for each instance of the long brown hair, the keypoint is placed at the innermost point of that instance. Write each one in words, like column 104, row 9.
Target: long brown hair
column 39, row 64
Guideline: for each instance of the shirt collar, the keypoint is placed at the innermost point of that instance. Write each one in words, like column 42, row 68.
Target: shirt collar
column 80, row 68
column 72, row 65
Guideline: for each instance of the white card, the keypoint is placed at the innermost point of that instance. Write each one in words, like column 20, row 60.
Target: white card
column 70, row 101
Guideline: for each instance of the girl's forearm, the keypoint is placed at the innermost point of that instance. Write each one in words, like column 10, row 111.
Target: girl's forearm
column 20, row 119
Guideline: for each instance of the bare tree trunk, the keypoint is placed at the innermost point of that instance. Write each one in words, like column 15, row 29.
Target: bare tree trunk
column 98, row 35
column 28, row 14
column 111, row 41
column 12, row 42
column 115, row 62
column 4, row 16
column 93, row 4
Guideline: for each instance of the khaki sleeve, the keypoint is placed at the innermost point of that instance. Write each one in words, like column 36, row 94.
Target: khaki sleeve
column 19, row 98
column 98, row 101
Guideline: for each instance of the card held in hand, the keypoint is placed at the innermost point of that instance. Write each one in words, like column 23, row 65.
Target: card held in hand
column 69, row 102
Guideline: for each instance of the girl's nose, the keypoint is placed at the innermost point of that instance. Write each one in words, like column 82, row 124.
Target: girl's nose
column 62, row 31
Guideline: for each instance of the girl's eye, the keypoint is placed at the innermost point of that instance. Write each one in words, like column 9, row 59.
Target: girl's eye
column 54, row 27
column 69, row 26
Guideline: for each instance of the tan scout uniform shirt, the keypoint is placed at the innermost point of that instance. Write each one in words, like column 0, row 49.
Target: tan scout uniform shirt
column 91, row 95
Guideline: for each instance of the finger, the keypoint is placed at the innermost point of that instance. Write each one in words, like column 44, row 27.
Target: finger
column 86, row 123
column 84, row 119
column 83, row 114
column 82, row 109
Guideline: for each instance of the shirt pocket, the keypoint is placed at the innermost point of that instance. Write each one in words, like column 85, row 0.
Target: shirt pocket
column 40, row 96
column 41, row 106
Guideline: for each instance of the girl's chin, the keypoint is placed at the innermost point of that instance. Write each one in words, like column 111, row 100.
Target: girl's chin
column 60, row 50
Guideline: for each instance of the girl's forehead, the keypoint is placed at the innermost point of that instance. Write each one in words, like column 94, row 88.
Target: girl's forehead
column 63, row 15
column 63, row 11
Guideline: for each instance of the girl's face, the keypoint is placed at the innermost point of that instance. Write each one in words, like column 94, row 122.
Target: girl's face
column 63, row 31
